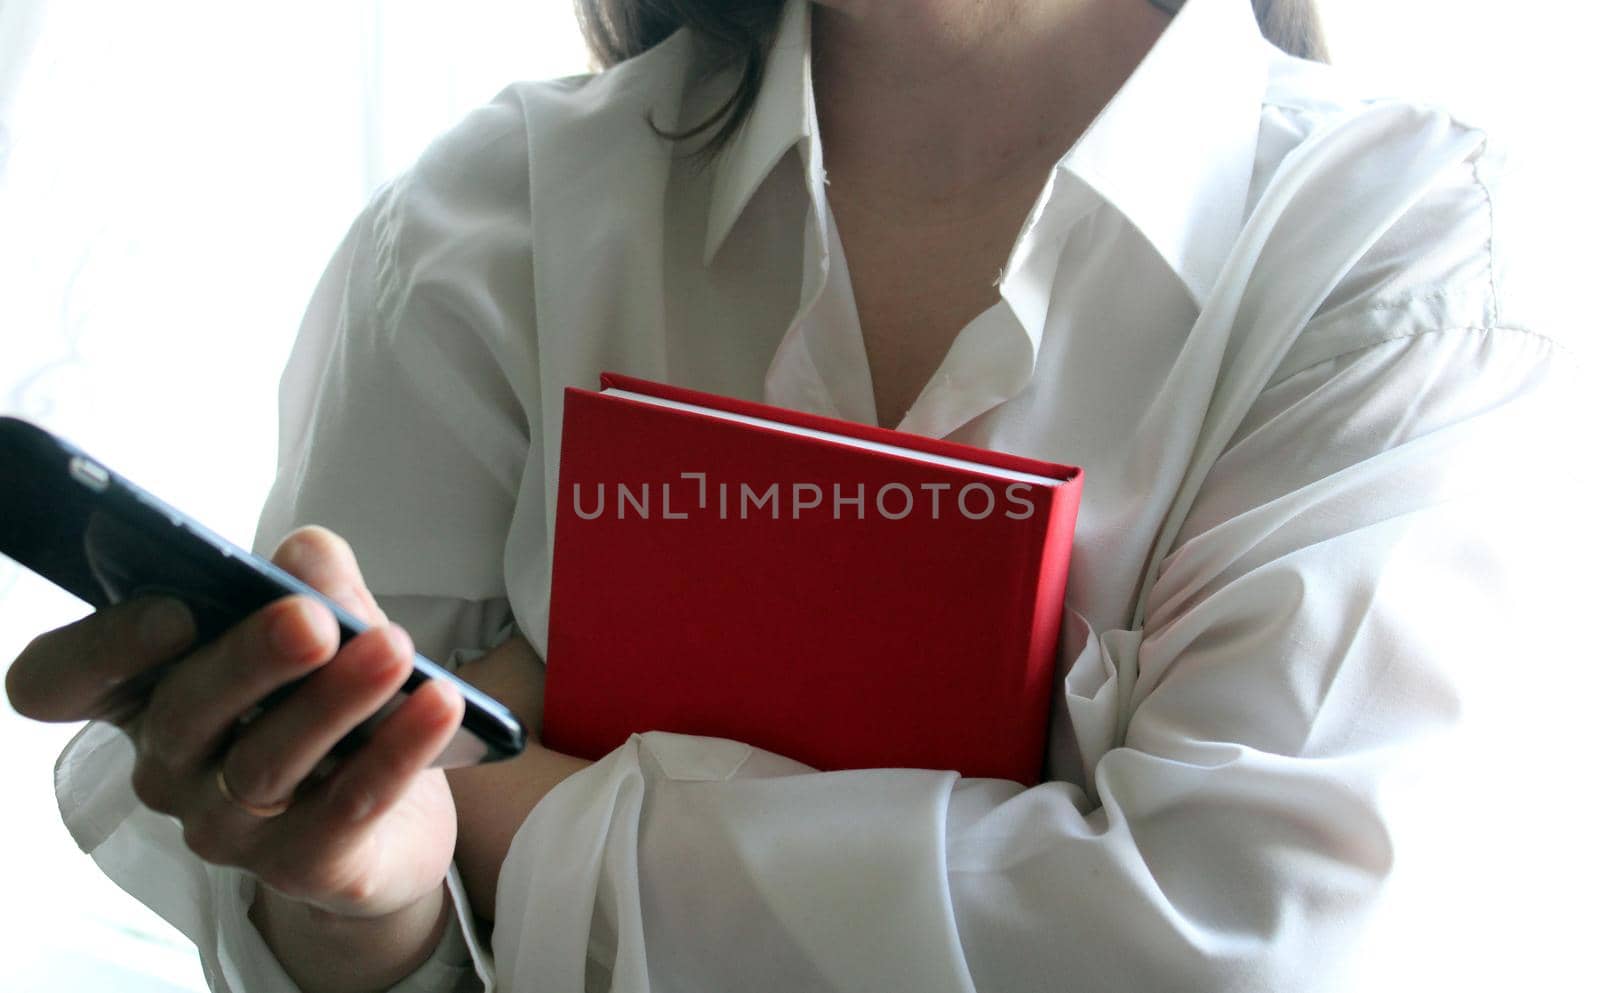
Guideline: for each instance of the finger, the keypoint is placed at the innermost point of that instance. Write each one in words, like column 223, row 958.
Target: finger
column 405, row 743
column 336, row 815
column 275, row 753
column 199, row 700
column 92, row 668
column 325, row 561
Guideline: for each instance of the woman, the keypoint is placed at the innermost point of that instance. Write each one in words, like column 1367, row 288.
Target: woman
column 1271, row 318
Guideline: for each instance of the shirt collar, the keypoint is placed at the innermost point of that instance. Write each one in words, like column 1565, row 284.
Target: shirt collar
column 1175, row 148
column 1172, row 151
column 782, row 116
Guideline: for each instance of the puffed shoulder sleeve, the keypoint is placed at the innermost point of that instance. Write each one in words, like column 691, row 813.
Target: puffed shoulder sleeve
column 403, row 429
column 403, row 426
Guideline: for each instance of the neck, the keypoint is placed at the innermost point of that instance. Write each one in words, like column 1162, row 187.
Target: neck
column 943, row 102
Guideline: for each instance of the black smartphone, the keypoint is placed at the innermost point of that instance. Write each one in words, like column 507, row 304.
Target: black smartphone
column 90, row 531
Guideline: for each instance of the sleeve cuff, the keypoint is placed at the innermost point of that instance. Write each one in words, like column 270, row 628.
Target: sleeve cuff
column 459, row 964
column 737, row 868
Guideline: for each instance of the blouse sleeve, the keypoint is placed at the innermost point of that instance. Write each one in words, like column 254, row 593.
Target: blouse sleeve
column 1348, row 740
column 402, row 431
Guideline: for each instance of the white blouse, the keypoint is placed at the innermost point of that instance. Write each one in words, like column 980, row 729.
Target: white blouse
column 1305, row 735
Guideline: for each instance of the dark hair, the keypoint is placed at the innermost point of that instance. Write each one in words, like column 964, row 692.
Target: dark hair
column 742, row 30
column 1293, row 25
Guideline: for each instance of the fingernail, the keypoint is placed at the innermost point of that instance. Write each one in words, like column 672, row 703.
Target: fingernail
column 166, row 626
column 451, row 698
column 358, row 804
column 284, row 633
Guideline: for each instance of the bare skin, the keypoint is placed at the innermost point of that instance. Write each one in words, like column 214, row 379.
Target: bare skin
column 352, row 894
column 352, row 871
column 941, row 119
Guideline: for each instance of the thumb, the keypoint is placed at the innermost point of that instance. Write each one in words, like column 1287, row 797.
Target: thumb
column 325, row 561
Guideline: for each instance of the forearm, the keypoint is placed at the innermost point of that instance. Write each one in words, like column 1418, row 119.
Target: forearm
column 492, row 800
column 329, row 953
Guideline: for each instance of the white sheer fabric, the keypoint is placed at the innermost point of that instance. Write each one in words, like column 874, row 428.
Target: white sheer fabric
column 1238, row 774
column 174, row 176
column 1282, row 329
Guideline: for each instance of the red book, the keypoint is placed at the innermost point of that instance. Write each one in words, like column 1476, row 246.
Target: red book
column 847, row 596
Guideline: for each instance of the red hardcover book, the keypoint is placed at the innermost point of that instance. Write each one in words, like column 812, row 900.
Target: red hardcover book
column 845, row 595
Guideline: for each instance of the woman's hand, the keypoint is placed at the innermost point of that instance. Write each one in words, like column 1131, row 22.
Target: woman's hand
column 369, row 841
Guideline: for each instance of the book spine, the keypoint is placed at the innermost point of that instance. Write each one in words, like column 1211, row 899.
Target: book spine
column 1040, row 630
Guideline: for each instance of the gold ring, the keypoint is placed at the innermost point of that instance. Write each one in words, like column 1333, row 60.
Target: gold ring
column 249, row 808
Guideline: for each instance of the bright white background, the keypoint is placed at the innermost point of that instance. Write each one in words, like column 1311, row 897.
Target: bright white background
column 174, row 175
column 179, row 172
